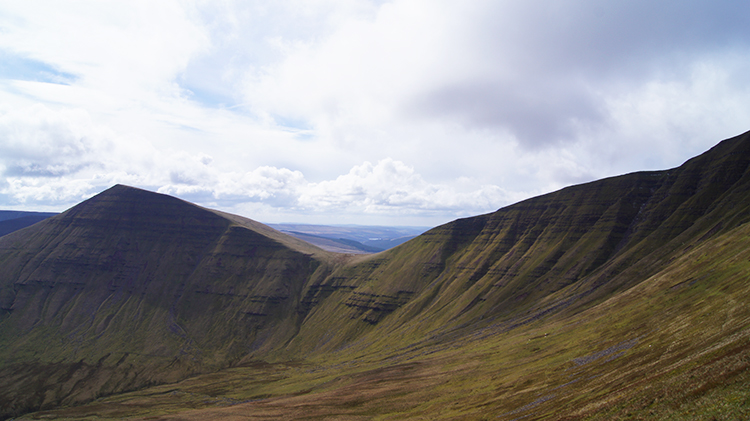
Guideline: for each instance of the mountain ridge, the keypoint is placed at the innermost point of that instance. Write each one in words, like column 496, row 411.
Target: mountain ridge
column 116, row 280
column 485, row 259
column 172, row 290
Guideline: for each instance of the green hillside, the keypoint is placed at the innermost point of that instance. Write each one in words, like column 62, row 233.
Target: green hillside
column 133, row 288
column 622, row 298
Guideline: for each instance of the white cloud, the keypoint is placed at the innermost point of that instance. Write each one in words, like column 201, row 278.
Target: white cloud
column 359, row 110
column 386, row 188
column 62, row 156
column 38, row 142
column 393, row 187
column 543, row 76
column 128, row 49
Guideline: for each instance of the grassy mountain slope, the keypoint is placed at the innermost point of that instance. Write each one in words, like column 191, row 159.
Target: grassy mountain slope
column 560, row 252
column 131, row 288
column 675, row 346
column 601, row 298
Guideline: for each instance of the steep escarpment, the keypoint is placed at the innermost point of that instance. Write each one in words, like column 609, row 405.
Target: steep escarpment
column 132, row 287
column 560, row 252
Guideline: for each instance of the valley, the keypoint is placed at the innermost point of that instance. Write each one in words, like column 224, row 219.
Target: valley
column 623, row 298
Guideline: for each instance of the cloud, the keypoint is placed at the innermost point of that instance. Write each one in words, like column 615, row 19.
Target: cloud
column 123, row 48
column 540, row 71
column 54, row 158
column 39, row 142
column 387, row 187
column 536, row 116
column 61, row 156
column 392, row 186
column 276, row 187
column 333, row 110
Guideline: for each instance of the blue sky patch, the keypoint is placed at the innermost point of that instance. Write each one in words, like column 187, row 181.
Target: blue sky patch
column 17, row 67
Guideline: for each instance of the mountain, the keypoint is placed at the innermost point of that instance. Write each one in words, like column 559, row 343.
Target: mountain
column 131, row 288
column 621, row 298
column 15, row 220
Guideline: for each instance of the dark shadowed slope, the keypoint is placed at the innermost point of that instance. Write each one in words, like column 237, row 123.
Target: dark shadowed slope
column 132, row 287
column 15, row 220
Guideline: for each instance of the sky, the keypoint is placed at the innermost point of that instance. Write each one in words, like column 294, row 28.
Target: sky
column 403, row 112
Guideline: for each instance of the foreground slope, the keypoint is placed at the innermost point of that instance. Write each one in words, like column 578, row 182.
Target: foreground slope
column 602, row 296
column 131, row 288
